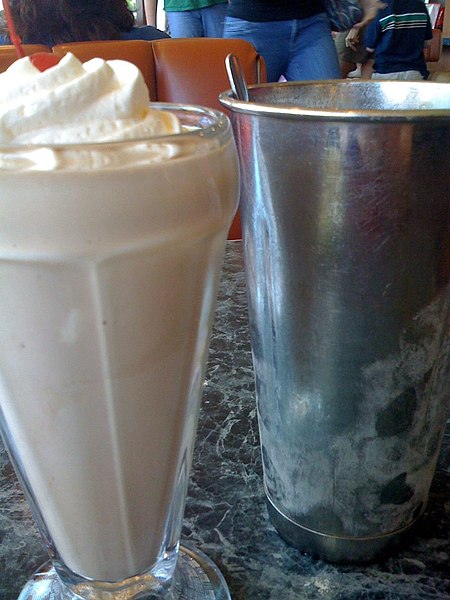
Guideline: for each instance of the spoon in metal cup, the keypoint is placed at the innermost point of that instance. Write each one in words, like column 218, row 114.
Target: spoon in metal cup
column 236, row 77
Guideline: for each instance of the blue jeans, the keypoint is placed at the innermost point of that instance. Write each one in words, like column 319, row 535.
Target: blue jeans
column 298, row 49
column 204, row 22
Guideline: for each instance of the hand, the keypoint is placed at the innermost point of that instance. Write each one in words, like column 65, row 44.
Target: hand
column 352, row 38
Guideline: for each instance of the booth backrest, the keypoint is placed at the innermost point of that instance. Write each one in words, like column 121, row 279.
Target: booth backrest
column 176, row 70
column 192, row 70
column 138, row 52
column 433, row 52
column 8, row 53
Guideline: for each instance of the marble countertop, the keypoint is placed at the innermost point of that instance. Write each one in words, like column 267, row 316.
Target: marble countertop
column 225, row 513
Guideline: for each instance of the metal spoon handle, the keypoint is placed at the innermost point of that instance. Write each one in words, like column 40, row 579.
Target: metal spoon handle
column 236, row 77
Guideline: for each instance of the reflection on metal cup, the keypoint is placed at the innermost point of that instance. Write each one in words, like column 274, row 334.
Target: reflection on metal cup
column 345, row 210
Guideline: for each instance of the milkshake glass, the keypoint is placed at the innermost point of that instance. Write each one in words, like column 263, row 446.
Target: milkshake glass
column 110, row 257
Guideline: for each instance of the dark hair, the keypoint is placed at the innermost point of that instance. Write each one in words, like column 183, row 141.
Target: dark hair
column 60, row 21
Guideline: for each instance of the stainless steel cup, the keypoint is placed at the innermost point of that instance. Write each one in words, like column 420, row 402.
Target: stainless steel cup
column 345, row 209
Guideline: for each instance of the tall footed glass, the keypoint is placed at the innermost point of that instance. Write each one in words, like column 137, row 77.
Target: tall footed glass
column 110, row 256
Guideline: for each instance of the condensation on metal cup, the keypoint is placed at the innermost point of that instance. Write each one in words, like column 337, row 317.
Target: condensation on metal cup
column 345, row 210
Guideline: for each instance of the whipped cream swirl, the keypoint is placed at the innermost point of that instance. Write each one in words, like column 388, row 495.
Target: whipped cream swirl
column 76, row 102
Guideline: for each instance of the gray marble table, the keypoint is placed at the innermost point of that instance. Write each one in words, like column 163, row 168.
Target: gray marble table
column 226, row 515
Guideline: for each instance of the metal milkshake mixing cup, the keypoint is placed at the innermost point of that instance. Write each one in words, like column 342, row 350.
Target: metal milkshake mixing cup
column 345, row 210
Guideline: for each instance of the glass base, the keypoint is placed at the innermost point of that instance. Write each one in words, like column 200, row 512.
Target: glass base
column 196, row 577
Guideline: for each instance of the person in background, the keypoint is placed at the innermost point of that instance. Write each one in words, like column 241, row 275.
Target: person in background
column 293, row 37
column 191, row 18
column 52, row 22
column 397, row 38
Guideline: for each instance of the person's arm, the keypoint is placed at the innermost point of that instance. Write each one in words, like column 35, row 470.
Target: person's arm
column 150, row 11
column 370, row 11
column 373, row 36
